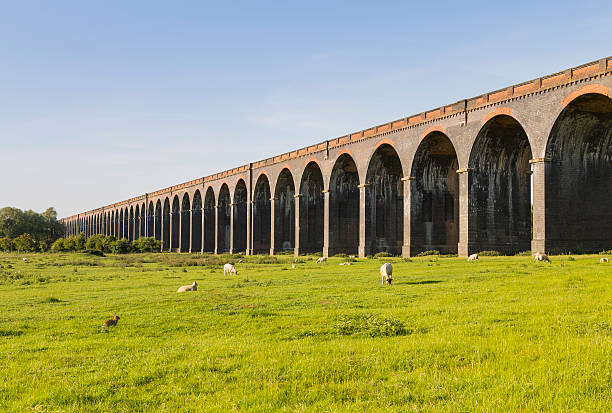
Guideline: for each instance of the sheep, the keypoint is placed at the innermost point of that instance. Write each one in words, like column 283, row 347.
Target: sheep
column 192, row 287
column 229, row 269
column 473, row 257
column 111, row 322
column 322, row 260
column 540, row 256
column 240, row 261
column 346, row 263
column 603, row 260
column 386, row 270
column 26, row 260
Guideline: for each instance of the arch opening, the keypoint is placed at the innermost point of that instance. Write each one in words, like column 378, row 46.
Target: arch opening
column 434, row 196
column 240, row 217
column 384, row 202
column 344, row 207
column 196, row 222
column 209, row 221
column 166, row 225
column 578, row 196
column 175, row 224
column 311, row 209
column 500, row 188
column 151, row 220
column 185, row 224
column 223, row 220
column 284, row 212
column 261, row 216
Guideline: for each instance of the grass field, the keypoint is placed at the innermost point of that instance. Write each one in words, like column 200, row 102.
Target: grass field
column 501, row 334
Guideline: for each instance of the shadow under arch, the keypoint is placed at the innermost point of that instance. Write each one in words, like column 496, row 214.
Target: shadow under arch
column 384, row 196
column 434, row 196
column 579, row 177
column 500, row 188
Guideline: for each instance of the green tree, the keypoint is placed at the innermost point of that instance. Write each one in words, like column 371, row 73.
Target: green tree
column 79, row 242
column 146, row 244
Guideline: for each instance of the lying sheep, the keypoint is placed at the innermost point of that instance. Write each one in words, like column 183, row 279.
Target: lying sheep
column 229, row 269
column 386, row 270
column 346, row 263
column 540, row 256
column 603, row 260
column 26, row 260
column 473, row 257
column 321, row 260
column 192, row 287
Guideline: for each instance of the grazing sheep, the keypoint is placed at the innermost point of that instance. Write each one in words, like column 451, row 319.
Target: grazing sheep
column 386, row 270
column 26, row 260
column 240, row 261
column 229, row 269
column 473, row 257
column 540, row 256
column 603, row 260
column 292, row 265
column 321, row 260
column 346, row 263
column 192, row 287
column 111, row 322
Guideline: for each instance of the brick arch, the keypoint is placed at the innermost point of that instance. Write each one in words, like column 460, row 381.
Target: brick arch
column 596, row 89
column 499, row 111
column 433, row 129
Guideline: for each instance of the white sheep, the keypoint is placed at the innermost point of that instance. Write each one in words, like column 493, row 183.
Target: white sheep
column 192, row 287
column 473, row 257
column 346, row 263
column 229, row 269
column 26, row 260
column 603, row 260
column 386, row 271
column 540, row 256
column 321, row 260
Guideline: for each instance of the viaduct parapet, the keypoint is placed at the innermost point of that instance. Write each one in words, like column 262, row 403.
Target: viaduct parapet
column 527, row 167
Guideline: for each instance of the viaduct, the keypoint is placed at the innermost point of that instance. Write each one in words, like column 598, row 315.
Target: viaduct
column 527, row 167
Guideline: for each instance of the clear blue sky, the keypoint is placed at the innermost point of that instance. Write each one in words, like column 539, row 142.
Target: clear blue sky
column 102, row 101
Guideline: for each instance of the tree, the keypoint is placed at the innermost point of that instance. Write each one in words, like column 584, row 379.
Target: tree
column 146, row 244
column 6, row 244
column 121, row 246
column 58, row 245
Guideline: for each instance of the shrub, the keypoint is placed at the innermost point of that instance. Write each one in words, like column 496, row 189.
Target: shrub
column 95, row 252
column 6, row 244
column 25, row 243
column 95, row 242
column 608, row 252
column 69, row 244
column 427, row 253
column 341, row 255
column 146, row 244
column 489, row 254
column 121, row 246
column 523, row 254
column 382, row 254
column 571, row 259
column 79, row 242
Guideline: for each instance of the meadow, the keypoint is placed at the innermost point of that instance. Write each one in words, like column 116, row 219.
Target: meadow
column 499, row 334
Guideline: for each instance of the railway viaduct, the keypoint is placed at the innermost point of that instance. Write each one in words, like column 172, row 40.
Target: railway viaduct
column 527, row 167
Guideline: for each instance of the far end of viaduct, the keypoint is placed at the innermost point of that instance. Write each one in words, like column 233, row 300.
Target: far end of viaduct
column 527, row 167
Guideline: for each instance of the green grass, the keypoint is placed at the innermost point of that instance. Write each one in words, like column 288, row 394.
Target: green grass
column 500, row 334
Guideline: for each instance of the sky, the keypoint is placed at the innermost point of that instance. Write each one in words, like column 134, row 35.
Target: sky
column 104, row 101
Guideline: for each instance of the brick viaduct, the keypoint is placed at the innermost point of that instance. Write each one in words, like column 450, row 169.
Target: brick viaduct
column 461, row 178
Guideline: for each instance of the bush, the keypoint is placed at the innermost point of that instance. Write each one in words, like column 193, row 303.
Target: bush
column 341, row 255
column 608, row 252
column 146, row 244
column 489, row 254
column 95, row 252
column 382, row 254
column 6, row 244
column 427, row 253
column 121, row 246
column 69, row 244
column 58, row 245
column 25, row 243
column 94, row 242
column 523, row 254
column 79, row 242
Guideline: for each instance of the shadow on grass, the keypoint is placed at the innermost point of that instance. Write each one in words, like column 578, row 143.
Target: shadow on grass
column 420, row 282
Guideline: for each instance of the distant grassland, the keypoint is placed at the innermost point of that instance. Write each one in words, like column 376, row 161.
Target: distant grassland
column 500, row 334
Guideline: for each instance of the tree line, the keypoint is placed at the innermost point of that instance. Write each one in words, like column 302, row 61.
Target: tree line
column 28, row 230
